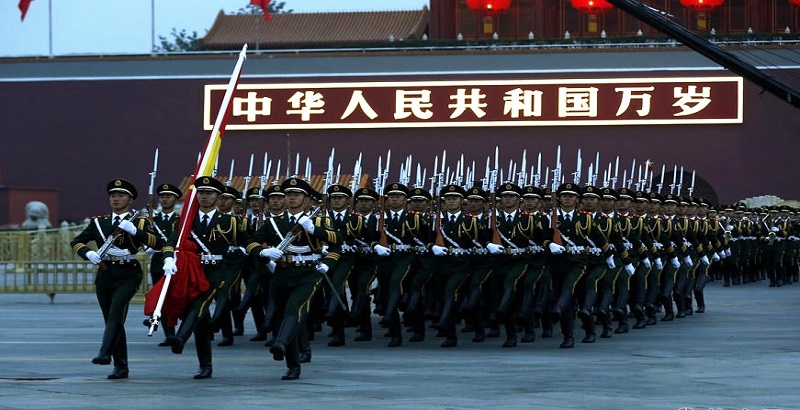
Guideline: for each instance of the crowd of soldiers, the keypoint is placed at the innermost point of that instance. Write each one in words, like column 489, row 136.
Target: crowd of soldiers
column 502, row 262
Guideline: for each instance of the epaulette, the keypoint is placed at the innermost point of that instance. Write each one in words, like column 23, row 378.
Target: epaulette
column 355, row 213
column 604, row 216
column 525, row 213
column 102, row 216
column 414, row 213
column 584, row 213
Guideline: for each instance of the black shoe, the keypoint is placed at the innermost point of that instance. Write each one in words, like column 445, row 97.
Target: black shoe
column 590, row 338
column 493, row 333
column 701, row 309
column 416, row 337
column 238, row 331
column 668, row 317
column 260, row 337
column 529, row 337
column 102, row 359
column 651, row 321
column 608, row 332
column 681, row 314
column 363, row 337
column 226, row 341
column 395, row 342
column 203, row 373
column 583, row 314
column 175, row 344
column 337, row 341
column 269, row 342
column 547, row 333
column 621, row 329
column 304, row 356
column 278, row 351
column 449, row 342
column 510, row 342
column 120, row 372
column 555, row 315
column 292, row 374
column 164, row 343
column 568, row 343
column 640, row 324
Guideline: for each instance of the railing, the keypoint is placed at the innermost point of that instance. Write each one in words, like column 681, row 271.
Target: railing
column 42, row 261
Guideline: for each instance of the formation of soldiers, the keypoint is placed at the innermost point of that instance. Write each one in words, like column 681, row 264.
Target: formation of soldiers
column 501, row 261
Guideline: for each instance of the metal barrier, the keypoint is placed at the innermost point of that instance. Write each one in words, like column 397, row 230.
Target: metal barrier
column 42, row 261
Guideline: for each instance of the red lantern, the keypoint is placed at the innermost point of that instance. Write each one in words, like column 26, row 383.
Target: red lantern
column 702, row 6
column 592, row 7
column 795, row 3
column 488, row 7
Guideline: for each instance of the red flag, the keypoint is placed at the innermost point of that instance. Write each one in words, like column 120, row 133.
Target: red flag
column 264, row 4
column 183, row 289
column 24, row 4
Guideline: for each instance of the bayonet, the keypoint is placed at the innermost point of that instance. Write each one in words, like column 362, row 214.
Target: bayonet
column 230, row 174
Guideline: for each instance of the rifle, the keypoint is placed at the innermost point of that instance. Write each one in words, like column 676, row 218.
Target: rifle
column 150, row 190
column 109, row 242
column 293, row 234
column 379, row 182
column 493, row 197
column 553, row 197
column 263, row 183
column 327, row 184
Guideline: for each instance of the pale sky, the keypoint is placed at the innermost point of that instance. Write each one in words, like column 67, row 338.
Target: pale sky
column 124, row 27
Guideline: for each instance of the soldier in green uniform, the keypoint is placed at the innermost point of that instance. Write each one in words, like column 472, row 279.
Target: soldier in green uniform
column 231, row 323
column 164, row 222
column 300, row 265
column 119, row 273
column 364, row 267
column 633, row 229
column 423, row 287
column 771, row 235
column 215, row 234
column 536, row 282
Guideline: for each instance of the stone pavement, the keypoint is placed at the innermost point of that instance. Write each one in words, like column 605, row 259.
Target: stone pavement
column 742, row 353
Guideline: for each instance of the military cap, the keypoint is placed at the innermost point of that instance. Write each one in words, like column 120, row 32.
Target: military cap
column 727, row 208
column 396, row 188
column 367, row 193
column 254, row 193
column 682, row 200
column 509, row 188
column 453, row 189
column 532, row 192
column 339, row 190
column 670, row 198
column 609, row 193
column 568, row 188
column 122, row 185
column 421, row 193
column 625, row 193
column 166, row 188
column 692, row 201
column 273, row 190
column 231, row 192
column 315, row 195
column 477, row 193
column 786, row 208
column 206, row 183
column 641, row 196
column 655, row 197
column 590, row 192
column 704, row 202
column 297, row 185
column 772, row 209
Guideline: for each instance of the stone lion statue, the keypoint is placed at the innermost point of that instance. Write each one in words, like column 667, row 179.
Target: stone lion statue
column 37, row 216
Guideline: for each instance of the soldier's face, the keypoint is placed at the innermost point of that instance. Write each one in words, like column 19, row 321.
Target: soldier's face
column 530, row 204
column 568, row 201
column 167, row 201
column 225, row 203
column 395, row 201
column 509, row 201
column 452, row 203
column 207, row 199
column 295, row 200
column 623, row 204
column 364, row 205
column 702, row 211
column 589, row 203
column 254, row 204
column 670, row 208
column 640, row 206
column 683, row 209
column 339, row 203
column 475, row 206
column 276, row 203
column 608, row 205
column 120, row 202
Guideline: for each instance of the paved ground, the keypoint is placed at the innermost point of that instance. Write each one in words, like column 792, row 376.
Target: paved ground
column 742, row 353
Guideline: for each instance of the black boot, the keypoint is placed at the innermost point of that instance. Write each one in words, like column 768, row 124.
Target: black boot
column 547, row 329
column 480, row 327
column 447, row 314
column 526, row 306
column 168, row 331
column 588, row 327
column 120, row 355
column 220, row 311
column 188, row 326
column 365, row 323
column 511, row 332
column 669, row 314
column 701, row 301
column 505, row 304
column 391, row 308
column 110, row 336
column 286, row 334
column 336, row 322
column 202, row 340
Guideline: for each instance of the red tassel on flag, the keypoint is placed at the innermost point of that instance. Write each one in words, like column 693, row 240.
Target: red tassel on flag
column 185, row 286
column 264, row 4
column 24, row 4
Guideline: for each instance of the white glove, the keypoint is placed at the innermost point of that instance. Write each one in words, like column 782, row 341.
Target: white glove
column 646, row 262
column 272, row 253
column 715, row 257
column 774, row 229
column 381, row 250
column 271, row 265
column 704, row 260
column 324, row 249
column 322, row 268
column 610, row 262
column 306, row 223
column 556, row 249
column 675, row 263
column 494, row 248
column 688, row 260
column 659, row 264
column 150, row 251
column 729, row 228
column 128, row 227
column 728, row 252
column 93, row 257
column 169, row 266
column 630, row 269
column 439, row 250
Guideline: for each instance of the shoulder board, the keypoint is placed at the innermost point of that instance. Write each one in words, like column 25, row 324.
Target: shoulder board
column 414, row 213
column 525, row 213
column 584, row 213
column 355, row 213
column 101, row 216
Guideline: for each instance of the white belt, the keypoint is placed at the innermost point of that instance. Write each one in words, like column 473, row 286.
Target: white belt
column 210, row 258
column 659, row 245
column 687, row 244
column 302, row 258
column 459, row 251
column 401, row 247
column 594, row 251
column 535, row 249
column 122, row 258
column 576, row 249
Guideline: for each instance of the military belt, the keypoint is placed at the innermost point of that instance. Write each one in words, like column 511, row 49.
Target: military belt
column 119, row 259
column 576, row 250
column 207, row 259
column 302, row 260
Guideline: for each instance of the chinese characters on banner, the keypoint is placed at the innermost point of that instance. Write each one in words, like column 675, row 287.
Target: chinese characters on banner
column 481, row 103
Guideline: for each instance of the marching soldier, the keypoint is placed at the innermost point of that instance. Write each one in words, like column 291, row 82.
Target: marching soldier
column 364, row 267
column 634, row 230
column 119, row 273
column 295, row 242
column 477, row 200
column 214, row 234
column 422, row 290
column 230, row 322
column 164, row 223
column 536, row 282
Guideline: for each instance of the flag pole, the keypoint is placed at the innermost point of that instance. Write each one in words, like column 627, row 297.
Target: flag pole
column 152, row 26
column 50, row 27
